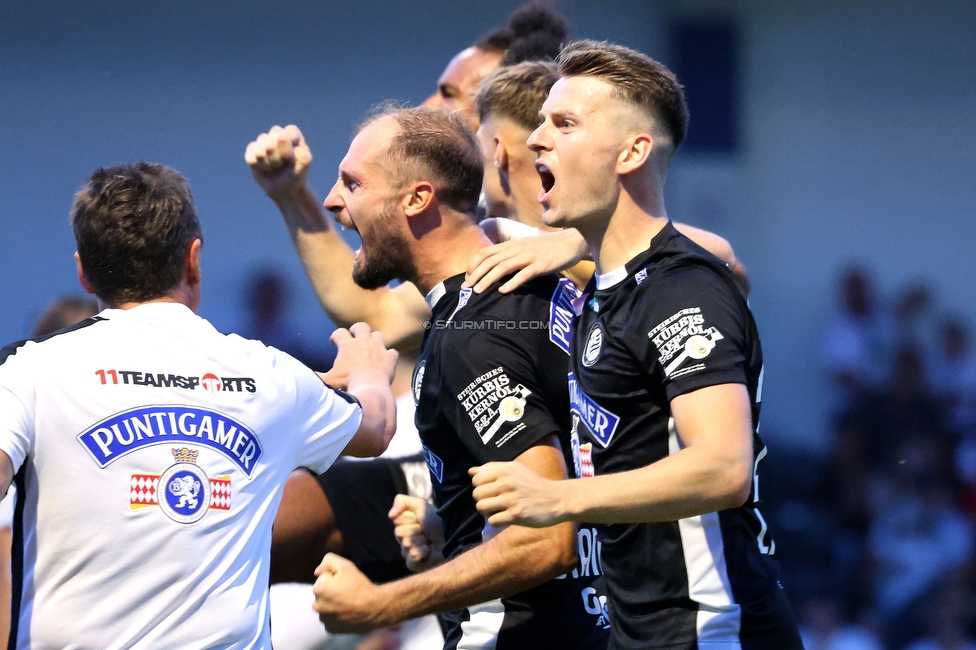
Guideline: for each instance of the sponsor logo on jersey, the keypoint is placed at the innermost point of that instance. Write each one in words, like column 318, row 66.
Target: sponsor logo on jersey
column 490, row 401
column 594, row 343
column 641, row 275
column 561, row 314
column 582, row 452
column 434, row 464
column 681, row 337
column 183, row 491
column 209, row 382
column 418, row 380
column 600, row 422
column 134, row 429
column 596, row 604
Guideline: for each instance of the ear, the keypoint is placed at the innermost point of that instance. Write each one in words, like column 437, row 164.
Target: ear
column 418, row 198
column 637, row 150
column 501, row 155
column 193, row 273
column 81, row 275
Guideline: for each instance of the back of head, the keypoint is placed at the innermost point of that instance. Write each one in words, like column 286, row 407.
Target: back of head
column 435, row 146
column 133, row 226
column 517, row 92
column 64, row 312
column 535, row 32
column 636, row 79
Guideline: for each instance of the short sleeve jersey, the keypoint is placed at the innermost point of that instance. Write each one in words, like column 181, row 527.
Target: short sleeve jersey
column 670, row 322
column 150, row 453
column 490, row 383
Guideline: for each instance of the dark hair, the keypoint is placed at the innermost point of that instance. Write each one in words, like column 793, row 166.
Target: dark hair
column 517, row 92
column 637, row 78
column 64, row 312
column 535, row 32
column 437, row 145
column 133, row 225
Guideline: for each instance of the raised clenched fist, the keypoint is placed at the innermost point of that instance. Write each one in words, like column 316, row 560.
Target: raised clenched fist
column 279, row 160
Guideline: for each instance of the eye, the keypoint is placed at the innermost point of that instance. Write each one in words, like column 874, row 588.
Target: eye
column 565, row 123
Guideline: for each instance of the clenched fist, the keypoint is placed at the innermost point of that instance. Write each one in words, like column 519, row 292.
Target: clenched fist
column 279, row 161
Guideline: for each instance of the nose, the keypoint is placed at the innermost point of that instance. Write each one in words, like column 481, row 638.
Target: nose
column 436, row 101
column 333, row 202
column 537, row 141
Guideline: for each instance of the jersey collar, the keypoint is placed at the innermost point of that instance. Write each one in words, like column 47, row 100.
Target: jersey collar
column 450, row 285
column 150, row 310
column 611, row 278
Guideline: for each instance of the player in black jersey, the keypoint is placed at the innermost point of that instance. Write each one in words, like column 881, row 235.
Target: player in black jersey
column 666, row 379
column 486, row 390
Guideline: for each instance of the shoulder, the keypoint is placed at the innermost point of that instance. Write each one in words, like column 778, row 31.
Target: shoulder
column 529, row 300
column 69, row 336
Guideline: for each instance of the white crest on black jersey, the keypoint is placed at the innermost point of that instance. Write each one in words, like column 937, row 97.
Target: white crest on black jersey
column 594, row 343
column 418, row 380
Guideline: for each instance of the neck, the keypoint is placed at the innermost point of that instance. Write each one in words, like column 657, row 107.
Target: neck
column 183, row 295
column 628, row 232
column 446, row 251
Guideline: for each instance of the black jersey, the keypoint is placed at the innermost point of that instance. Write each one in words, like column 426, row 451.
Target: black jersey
column 490, row 383
column 673, row 322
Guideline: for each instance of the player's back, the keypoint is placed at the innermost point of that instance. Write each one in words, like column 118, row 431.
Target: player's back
column 154, row 453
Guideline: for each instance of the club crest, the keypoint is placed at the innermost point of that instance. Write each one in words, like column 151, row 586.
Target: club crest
column 183, row 491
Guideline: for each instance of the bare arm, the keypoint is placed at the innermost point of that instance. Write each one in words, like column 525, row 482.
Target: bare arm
column 720, row 248
column 516, row 559
column 279, row 161
column 364, row 368
column 713, row 471
column 566, row 251
column 6, row 473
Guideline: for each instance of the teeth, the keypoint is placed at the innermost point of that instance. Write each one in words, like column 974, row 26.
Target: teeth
column 543, row 168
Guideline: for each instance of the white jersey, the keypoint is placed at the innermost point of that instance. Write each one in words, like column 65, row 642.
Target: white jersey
column 150, row 452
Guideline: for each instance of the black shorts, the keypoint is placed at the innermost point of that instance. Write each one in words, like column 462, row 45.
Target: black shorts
column 361, row 494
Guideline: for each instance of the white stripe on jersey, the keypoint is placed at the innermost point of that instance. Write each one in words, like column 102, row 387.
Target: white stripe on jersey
column 480, row 631
column 719, row 617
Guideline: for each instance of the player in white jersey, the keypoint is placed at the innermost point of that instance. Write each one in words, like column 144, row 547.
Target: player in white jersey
column 150, row 450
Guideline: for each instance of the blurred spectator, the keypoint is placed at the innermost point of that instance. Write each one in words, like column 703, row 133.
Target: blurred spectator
column 911, row 316
column 949, row 617
column 918, row 536
column 822, row 628
column 952, row 373
column 63, row 312
column 267, row 298
column 856, row 342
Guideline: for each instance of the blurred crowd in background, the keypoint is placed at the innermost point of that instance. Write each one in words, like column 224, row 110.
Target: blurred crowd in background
column 877, row 539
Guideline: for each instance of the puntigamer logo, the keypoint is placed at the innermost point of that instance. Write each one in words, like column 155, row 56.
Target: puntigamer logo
column 125, row 432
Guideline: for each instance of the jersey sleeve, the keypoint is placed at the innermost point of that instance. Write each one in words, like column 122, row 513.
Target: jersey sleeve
column 691, row 328
column 493, row 394
column 327, row 419
column 16, row 410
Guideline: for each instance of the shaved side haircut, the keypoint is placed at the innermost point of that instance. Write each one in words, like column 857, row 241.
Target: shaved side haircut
column 517, row 92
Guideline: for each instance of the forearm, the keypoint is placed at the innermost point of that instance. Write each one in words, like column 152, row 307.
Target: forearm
column 378, row 425
column 516, row 559
column 689, row 483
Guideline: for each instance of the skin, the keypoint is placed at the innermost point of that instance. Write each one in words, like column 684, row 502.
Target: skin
column 608, row 161
column 511, row 184
column 458, row 84
column 440, row 241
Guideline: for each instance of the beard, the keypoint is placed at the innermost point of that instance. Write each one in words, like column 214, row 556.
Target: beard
column 386, row 256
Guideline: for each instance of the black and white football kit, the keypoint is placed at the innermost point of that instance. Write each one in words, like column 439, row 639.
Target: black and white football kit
column 490, row 384
column 671, row 321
